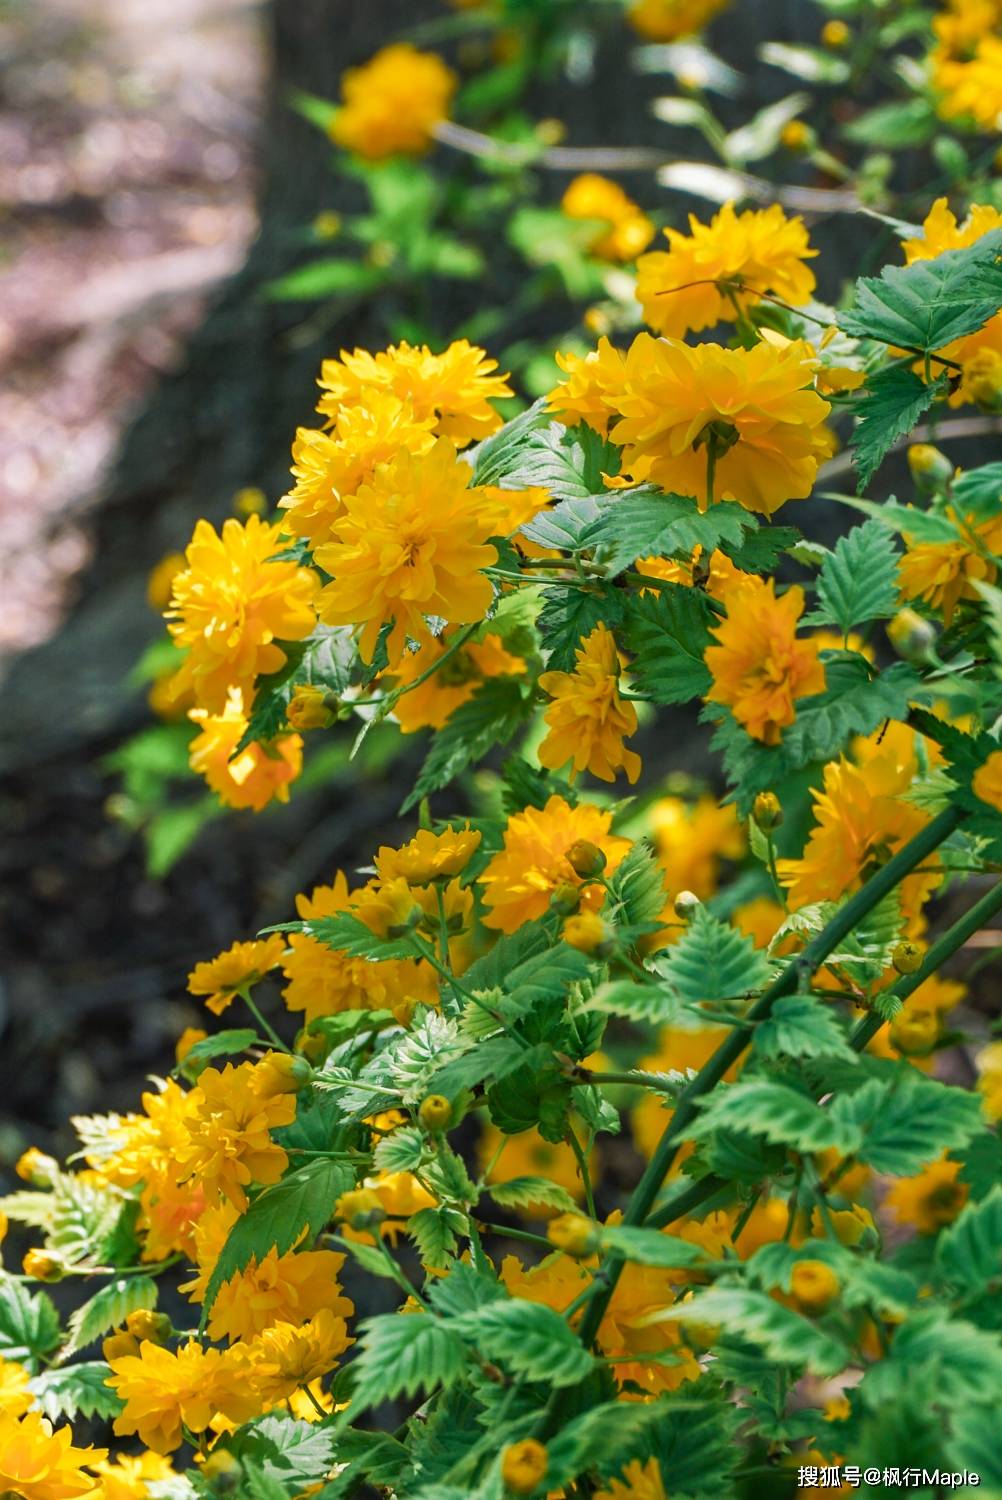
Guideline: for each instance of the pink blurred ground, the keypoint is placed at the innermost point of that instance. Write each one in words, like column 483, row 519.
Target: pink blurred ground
column 126, row 192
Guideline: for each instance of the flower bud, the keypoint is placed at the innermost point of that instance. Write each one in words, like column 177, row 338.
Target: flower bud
column 574, row 1235
column 524, row 1466
column 814, row 1286
column 585, row 859
column 281, row 1073
column 309, row 709
column 120, row 1345
column 566, row 898
column 911, row 636
column 435, row 1112
column 907, row 956
column 148, row 1326
column 551, row 132
column 360, row 1208
column 685, row 904
column 984, row 385
column 327, row 225
column 836, row 35
column 250, row 501
column 36, row 1168
column 44, row 1265
column 767, row 811
column 853, row 1226
column 222, row 1470
column 930, row 469
column 798, row 136
column 587, row 932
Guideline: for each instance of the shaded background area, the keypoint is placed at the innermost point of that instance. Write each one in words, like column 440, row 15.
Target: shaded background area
column 153, row 180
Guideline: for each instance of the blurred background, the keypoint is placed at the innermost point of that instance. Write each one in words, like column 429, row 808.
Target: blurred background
column 160, row 172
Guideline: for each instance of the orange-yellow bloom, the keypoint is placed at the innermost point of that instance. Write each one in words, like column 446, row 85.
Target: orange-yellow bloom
column 930, row 1199
column 218, row 979
column 429, row 856
column 626, row 229
column 943, row 573
column 588, row 720
column 130, row 1476
column 667, row 20
column 760, row 668
column 640, row 1481
column 227, row 1122
column 288, row 1356
column 433, row 701
column 520, row 880
column 758, row 251
column 589, row 393
column 289, row 1288
column 987, row 781
column 38, row 1463
column 254, row 777
column 393, row 103
column 232, row 605
column 411, row 544
column 454, row 388
column 164, row 1390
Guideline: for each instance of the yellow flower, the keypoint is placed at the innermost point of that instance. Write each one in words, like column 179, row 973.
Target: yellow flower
column 164, row 1390
column 289, row 1288
column 919, row 1023
column 524, row 1466
column 455, row 388
column 760, row 668
column 325, row 981
column 529, row 1155
column 227, row 1120
column 589, row 393
column 858, row 826
column 971, row 87
column 755, row 252
column 626, row 231
column 15, row 1397
column 243, row 964
column 129, row 1475
column 987, row 781
column 760, row 919
column 586, row 931
column 943, row 573
column 432, row 702
column 719, row 577
column 328, row 466
column 40, row 1464
column 232, row 605
column 979, row 354
column 640, row 1481
column 392, row 103
column 989, row 1061
column 255, row 776
column 813, row 1286
column 429, row 856
column 667, row 20
column 411, row 544
column 160, row 582
column 752, row 408
column 588, row 720
column 286, row 1356
column 520, row 880
column 308, row 708
column 929, row 1200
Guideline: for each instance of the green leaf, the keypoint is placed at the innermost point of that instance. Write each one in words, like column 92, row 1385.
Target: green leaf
column 667, row 634
column 464, row 1290
column 713, row 961
column 325, row 660
column 783, row 1115
column 894, row 400
column 221, row 1044
column 530, row 1339
column 569, row 462
column 326, row 278
column 529, row 1192
column 907, row 1124
column 809, row 64
column 548, row 976
column 76, row 1391
column 759, row 551
column 568, row 617
column 801, row 1026
column 649, row 1247
column 761, row 134
column 931, row 302
column 953, row 1362
column 286, row 1451
column 563, row 526
column 433, row 1232
column 346, row 933
column 890, row 126
column 29, row 1324
column 854, row 702
column 497, row 709
column 783, row 1334
column 646, row 523
column 498, row 456
column 303, row 1200
column 548, row 237
column 107, row 1309
column 969, row 1251
column 404, row 1355
column 858, row 581
column 636, row 888
column 491, row 1059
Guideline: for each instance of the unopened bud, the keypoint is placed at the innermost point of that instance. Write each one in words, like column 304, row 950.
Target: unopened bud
column 685, row 904
column 327, row 225
column 282, row 1073
column 308, row 709
column 566, row 898
column 551, row 132
column 435, row 1112
column 907, row 956
column 250, row 501
column 984, row 386
column 36, row 1168
column 797, row 136
column 767, row 811
column 148, row 1326
column 911, row 636
column 930, row 468
column 524, row 1466
column 361, row 1208
column 585, row 859
column 222, row 1470
column 836, row 35
column 44, row 1265
column 587, row 932
column 120, row 1346
column 814, row 1285
column 574, row 1235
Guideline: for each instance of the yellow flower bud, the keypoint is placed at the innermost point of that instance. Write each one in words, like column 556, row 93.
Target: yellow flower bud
column 43, row 1265
column 852, row 1226
column 985, row 388
column 435, row 1112
column 148, row 1326
column 36, row 1168
column 814, row 1286
column 311, row 708
column 574, row 1235
column 907, row 956
column 327, row 225
column 585, row 859
column 835, row 34
column 767, row 811
column 586, row 931
column 685, row 904
column 282, row 1073
column 524, row 1466
column 911, row 636
column 551, row 132
column 250, row 501
column 120, row 1346
column 930, row 469
column 796, row 136
column 221, row 1469
column 360, row 1208
column 566, row 898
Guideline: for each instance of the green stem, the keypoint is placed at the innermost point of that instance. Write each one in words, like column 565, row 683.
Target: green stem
column 582, row 1162
column 265, row 1026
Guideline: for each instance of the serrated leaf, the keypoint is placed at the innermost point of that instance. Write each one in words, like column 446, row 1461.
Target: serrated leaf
column 346, row 933
column 893, row 402
column 497, row 457
column 107, row 1309
column 568, row 462
column 527, row 1192
column 400, row 1151
column 404, row 1355
column 286, row 1451
column 858, row 581
column 955, row 1362
column 650, row 1247
column 905, row 1125
column 637, row 887
column 29, row 1323
column 549, row 976
column 531, row 1340
column 762, row 133
column 759, row 551
column 490, row 1059
column 713, row 961
column 277, row 1218
column 890, row 126
column 324, row 660
column 563, row 525
column 433, row 1231
column 221, row 1044
column 932, row 302
column 778, row 1113
column 801, row 1026
column 497, row 709
column 854, row 702
column 969, row 1251
column 76, row 1391
column 568, row 617
column 647, row 523
column 668, row 634
column 783, row 1334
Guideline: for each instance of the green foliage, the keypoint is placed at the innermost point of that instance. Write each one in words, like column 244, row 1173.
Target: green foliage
column 497, row 709
column 74, row 1391
column 904, row 1125
column 284, row 1451
column 527, row 1192
column 931, row 302
column 713, row 961
column 569, row 615
column 401, row 1356
column 782, row 1334
column 801, row 1026
column 29, row 1323
column 568, row 462
column 895, row 399
column 858, row 581
column 107, row 1309
column 648, row 1247
column 646, row 523
column 529, row 1339
column 668, row 634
